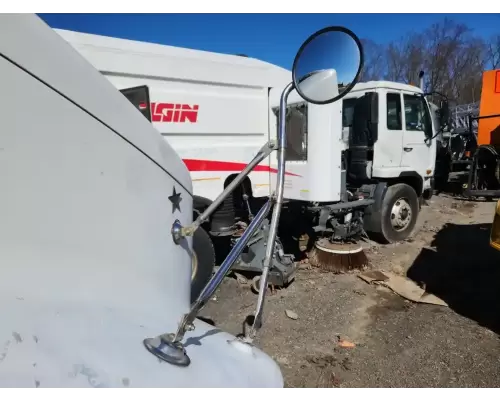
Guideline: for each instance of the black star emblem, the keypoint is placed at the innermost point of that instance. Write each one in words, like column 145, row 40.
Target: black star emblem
column 176, row 201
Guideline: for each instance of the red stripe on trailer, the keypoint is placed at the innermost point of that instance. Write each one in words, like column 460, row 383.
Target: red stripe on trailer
column 227, row 166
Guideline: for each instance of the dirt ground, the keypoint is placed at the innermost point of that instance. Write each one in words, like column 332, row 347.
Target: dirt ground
column 398, row 343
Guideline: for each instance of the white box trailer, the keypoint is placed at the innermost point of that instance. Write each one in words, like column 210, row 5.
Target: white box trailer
column 212, row 108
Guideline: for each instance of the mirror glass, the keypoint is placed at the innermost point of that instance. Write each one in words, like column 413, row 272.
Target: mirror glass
column 327, row 65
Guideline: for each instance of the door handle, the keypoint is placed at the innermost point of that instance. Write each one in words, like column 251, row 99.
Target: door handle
column 407, row 149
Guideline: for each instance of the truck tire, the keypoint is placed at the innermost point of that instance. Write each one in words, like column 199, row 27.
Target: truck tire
column 203, row 262
column 400, row 209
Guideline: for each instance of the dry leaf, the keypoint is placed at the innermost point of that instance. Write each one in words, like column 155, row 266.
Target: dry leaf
column 291, row 314
column 240, row 279
column 346, row 344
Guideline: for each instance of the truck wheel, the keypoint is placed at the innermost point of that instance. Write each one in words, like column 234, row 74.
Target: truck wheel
column 400, row 209
column 203, row 262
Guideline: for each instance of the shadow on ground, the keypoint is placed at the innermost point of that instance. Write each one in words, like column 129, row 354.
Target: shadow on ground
column 464, row 271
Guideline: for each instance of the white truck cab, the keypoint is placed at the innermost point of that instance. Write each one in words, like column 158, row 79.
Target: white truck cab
column 404, row 125
column 377, row 143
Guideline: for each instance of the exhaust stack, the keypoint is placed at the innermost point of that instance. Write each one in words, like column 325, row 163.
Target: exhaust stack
column 421, row 80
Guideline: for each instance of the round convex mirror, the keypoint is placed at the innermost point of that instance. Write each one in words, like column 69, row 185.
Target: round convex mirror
column 327, row 65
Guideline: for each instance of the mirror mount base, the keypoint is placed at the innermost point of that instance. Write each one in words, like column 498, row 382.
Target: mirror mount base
column 167, row 349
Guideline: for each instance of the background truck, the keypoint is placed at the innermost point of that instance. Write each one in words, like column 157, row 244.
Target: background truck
column 360, row 164
column 470, row 156
column 388, row 131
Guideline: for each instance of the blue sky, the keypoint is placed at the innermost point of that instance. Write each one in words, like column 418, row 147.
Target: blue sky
column 271, row 37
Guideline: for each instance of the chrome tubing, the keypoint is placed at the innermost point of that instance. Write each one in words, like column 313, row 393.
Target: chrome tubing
column 218, row 277
column 278, row 203
column 267, row 149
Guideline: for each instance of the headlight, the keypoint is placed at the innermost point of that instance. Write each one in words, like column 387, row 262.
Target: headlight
column 495, row 228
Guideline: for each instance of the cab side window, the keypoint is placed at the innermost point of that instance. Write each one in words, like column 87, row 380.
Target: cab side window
column 348, row 112
column 394, row 112
column 417, row 116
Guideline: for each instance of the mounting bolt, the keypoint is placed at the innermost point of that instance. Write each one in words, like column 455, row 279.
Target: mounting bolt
column 177, row 231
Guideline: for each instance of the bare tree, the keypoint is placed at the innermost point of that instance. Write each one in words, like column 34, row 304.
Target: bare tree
column 375, row 64
column 493, row 52
column 406, row 57
column 452, row 57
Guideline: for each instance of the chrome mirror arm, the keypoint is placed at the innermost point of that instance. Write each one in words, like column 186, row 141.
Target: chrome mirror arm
column 264, row 152
column 168, row 347
column 218, row 277
column 278, row 203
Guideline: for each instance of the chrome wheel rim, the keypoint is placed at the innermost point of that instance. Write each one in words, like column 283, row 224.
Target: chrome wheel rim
column 401, row 214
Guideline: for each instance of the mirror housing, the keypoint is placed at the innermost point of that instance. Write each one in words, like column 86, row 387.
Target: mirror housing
column 139, row 97
column 444, row 113
column 444, row 109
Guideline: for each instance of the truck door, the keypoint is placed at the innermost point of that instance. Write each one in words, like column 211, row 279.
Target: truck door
column 387, row 149
column 417, row 126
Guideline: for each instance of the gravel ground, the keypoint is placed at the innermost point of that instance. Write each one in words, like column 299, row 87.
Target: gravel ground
column 397, row 343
